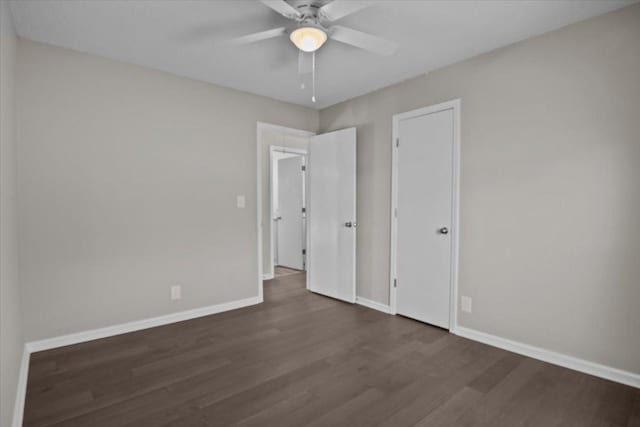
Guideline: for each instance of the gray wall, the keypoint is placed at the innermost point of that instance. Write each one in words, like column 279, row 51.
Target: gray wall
column 11, row 342
column 128, row 180
column 550, row 229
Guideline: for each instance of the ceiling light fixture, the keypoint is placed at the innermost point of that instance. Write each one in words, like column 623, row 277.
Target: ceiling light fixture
column 308, row 39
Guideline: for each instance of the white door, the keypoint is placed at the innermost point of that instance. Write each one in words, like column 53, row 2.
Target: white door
column 424, row 196
column 290, row 202
column 331, row 268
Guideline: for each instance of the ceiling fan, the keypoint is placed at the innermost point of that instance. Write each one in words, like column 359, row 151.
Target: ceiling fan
column 313, row 25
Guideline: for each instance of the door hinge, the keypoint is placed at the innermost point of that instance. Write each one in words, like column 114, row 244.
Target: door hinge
column 395, row 283
column 304, row 252
column 304, row 210
column 304, row 168
column 395, row 212
column 397, row 142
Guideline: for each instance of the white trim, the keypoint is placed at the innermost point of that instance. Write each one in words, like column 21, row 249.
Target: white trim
column 307, row 205
column 260, row 127
column 454, row 105
column 137, row 325
column 268, row 276
column 287, row 150
column 581, row 365
column 21, row 389
column 373, row 305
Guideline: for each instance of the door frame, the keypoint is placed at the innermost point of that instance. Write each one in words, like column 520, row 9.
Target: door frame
column 279, row 149
column 454, row 105
column 260, row 127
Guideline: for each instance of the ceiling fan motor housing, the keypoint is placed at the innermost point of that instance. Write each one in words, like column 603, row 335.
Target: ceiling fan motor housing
column 310, row 13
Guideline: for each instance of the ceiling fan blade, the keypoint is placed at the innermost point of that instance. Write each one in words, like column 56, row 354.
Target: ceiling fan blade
column 363, row 40
column 338, row 9
column 262, row 35
column 305, row 62
column 283, row 8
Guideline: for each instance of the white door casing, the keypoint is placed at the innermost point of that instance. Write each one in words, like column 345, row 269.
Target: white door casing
column 424, row 240
column 331, row 214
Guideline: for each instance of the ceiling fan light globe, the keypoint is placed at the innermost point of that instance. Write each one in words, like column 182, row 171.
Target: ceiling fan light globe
column 308, row 39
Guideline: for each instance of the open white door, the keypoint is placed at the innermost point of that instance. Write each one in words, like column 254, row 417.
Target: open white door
column 289, row 221
column 331, row 215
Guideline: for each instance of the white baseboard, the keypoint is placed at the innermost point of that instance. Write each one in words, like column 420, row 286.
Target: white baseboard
column 123, row 328
column 373, row 305
column 591, row 368
column 21, row 389
column 267, row 276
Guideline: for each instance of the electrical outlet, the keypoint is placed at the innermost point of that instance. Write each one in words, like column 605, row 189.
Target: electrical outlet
column 465, row 304
column 176, row 292
column 241, row 202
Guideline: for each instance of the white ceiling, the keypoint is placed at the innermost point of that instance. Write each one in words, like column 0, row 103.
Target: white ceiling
column 183, row 37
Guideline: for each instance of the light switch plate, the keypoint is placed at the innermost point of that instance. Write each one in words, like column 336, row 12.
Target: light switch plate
column 465, row 304
column 176, row 292
column 241, row 202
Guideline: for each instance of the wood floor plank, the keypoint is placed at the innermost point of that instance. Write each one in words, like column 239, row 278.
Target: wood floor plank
column 634, row 417
column 446, row 414
column 303, row 359
column 496, row 373
column 495, row 400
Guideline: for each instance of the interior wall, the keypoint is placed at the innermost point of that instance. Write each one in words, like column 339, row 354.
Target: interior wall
column 550, row 231
column 11, row 338
column 278, row 138
column 128, row 180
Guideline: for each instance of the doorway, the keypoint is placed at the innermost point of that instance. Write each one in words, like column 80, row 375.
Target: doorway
column 424, row 229
column 288, row 209
column 306, row 209
column 288, row 139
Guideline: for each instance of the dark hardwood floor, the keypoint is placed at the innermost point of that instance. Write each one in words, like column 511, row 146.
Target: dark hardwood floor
column 280, row 271
column 303, row 359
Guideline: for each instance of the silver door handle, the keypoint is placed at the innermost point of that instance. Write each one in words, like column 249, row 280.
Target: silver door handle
column 350, row 224
column 277, row 218
column 443, row 230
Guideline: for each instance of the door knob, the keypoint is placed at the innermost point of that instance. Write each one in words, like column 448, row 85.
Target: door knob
column 350, row 224
column 277, row 218
column 443, row 230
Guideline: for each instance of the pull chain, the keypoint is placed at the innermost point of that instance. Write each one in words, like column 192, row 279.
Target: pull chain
column 301, row 69
column 313, row 77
